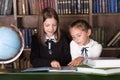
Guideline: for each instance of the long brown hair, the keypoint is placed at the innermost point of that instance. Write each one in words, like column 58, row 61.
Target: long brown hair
column 47, row 13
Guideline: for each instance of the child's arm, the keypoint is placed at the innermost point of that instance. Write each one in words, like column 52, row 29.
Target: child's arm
column 77, row 61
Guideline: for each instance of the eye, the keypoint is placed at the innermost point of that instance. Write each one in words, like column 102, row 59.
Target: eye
column 78, row 35
column 46, row 24
column 54, row 25
column 73, row 37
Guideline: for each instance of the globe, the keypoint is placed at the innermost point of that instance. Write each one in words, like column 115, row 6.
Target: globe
column 11, row 44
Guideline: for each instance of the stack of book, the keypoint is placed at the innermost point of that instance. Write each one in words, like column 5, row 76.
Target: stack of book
column 104, row 62
column 104, row 66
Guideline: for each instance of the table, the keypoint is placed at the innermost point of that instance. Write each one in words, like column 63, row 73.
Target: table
column 56, row 76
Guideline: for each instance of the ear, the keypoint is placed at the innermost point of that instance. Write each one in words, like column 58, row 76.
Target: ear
column 89, row 32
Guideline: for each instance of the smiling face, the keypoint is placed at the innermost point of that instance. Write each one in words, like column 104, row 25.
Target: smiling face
column 50, row 26
column 80, row 36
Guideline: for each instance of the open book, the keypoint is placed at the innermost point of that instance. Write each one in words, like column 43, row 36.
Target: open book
column 50, row 69
column 80, row 69
column 101, row 71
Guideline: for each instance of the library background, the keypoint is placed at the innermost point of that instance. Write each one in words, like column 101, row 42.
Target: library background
column 102, row 15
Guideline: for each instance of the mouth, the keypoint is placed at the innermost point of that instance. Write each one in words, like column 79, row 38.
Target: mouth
column 78, row 42
column 50, row 32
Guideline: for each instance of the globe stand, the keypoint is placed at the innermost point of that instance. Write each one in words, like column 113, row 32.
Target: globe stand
column 2, row 66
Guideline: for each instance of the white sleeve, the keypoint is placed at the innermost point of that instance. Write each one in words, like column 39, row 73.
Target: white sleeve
column 74, row 50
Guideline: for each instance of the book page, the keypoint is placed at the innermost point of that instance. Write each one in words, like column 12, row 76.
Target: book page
column 51, row 69
column 113, row 71
column 90, row 70
column 39, row 69
column 64, row 69
column 102, row 71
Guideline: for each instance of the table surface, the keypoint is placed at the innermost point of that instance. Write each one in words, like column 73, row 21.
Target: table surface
column 55, row 76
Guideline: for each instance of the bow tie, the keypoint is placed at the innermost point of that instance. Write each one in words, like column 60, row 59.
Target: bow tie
column 49, row 42
column 85, row 54
column 84, row 51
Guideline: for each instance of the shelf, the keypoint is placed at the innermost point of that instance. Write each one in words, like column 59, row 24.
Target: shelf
column 22, row 16
column 27, row 49
column 6, row 15
column 111, row 48
column 111, row 14
column 7, row 20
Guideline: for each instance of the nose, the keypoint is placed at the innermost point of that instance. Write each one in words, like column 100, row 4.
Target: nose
column 51, row 27
column 76, row 39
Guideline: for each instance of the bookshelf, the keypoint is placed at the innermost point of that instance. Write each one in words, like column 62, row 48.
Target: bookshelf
column 26, row 15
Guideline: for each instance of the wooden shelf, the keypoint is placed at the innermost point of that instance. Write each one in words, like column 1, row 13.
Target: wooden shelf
column 27, row 49
column 111, row 14
column 111, row 48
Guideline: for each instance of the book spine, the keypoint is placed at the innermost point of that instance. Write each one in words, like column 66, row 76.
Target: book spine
column 106, row 6
column 111, row 41
column 86, row 6
column 116, row 42
column 29, row 37
column 118, row 6
column 94, row 8
column 82, row 6
column 3, row 7
column 9, row 7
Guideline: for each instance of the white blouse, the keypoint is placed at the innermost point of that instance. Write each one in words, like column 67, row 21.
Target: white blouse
column 93, row 49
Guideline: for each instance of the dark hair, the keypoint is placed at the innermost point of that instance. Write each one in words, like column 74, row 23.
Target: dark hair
column 81, row 24
column 84, row 25
column 47, row 13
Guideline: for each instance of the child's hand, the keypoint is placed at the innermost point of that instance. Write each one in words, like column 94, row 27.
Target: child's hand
column 76, row 61
column 55, row 64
